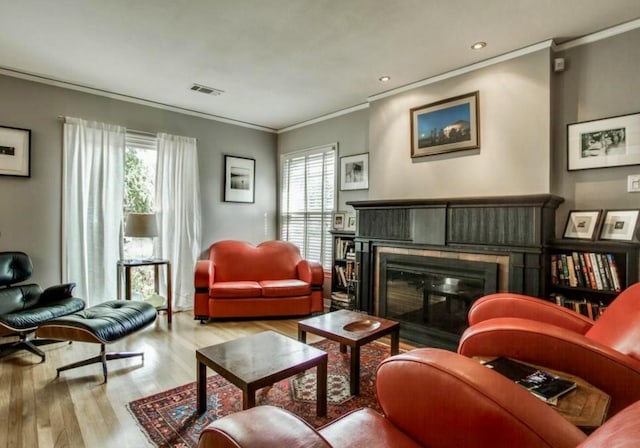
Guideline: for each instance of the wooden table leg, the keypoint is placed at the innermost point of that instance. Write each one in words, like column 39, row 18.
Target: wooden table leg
column 202, row 387
column 127, row 282
column 321, row 388
column 395, row 341
column 119, row 281
column 355, row 370
column 248, row 397
column 302, row 336
column 169, row 300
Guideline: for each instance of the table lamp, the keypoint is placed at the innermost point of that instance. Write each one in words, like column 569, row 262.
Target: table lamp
column 141, row 225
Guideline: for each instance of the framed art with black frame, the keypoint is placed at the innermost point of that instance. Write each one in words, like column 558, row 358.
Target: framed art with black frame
column 620, row 225
column 604, row 143
column 239, row 179
column 15, row 152
column 582, row 224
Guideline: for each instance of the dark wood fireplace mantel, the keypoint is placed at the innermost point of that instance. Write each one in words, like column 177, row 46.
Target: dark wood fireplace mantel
column 519, row 226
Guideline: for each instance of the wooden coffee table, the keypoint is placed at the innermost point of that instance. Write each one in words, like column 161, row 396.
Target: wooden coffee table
column 259, row 360
column 354, row 330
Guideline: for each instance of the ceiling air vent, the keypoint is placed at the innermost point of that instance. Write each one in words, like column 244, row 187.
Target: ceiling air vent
column 206, row 90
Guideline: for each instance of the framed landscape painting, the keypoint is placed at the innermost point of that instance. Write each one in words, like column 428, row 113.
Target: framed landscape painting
column 604, row 143
column 446, row 126
column 239, row 179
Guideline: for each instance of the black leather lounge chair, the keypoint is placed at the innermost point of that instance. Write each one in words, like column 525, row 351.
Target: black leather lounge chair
column 23, row 307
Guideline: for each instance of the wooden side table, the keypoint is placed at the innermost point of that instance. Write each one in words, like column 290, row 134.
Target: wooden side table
column 586, row 406
column 127, row 265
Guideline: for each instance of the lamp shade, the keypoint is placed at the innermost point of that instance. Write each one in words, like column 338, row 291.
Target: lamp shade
column 141, row 225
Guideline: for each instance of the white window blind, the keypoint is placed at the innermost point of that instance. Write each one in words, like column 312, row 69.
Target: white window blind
column 307, row 201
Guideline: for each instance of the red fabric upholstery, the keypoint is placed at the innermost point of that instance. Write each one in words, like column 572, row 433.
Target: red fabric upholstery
column 242, row 280
column 606, row 355
column 430, row 398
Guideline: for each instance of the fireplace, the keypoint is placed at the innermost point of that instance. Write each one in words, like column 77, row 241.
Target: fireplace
column 431, row 296
column 463, row 248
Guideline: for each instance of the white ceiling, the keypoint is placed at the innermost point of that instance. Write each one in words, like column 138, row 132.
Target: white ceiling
column 279, row 62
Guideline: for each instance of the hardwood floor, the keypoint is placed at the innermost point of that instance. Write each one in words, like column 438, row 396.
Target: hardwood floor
column 78, row 410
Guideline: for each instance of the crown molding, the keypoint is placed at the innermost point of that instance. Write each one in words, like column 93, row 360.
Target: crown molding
column 600, row 35
column 128, row 98
column 324, row 117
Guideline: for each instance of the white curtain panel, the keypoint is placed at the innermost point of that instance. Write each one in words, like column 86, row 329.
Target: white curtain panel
column 92, row 203
column 178, row 209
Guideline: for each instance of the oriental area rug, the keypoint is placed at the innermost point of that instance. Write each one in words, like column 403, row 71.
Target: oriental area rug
column 169, row 418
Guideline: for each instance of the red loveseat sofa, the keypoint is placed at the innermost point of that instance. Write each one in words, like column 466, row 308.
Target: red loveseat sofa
column 271, row 279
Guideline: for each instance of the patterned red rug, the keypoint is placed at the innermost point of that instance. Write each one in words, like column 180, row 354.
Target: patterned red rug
column 169, row 418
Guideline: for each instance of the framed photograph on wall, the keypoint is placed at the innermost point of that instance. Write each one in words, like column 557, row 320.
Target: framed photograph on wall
column 15, row 152
column 338, row 220
column 351, row 222
column 354, row 172
column 582, row 224
column 604, row 143
column 446, row 126
column 239, row 179
column 619, row 225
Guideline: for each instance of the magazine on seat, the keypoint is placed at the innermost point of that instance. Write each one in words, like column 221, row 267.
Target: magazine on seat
column 542, row 384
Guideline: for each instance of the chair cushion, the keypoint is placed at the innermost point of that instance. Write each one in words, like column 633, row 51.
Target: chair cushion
column 15, row 267
column 31, row 318
column 285, row 288
column 108, row 321
column 235, row 289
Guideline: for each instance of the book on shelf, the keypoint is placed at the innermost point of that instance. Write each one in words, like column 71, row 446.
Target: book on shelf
column 589, row 270
column 544, row 385
column 593, row 310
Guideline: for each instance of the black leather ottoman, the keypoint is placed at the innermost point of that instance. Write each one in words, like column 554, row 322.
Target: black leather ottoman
column 101, row 324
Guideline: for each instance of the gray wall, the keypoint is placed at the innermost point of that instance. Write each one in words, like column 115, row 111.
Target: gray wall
column 350, row 131
column 515, row 131
column 601, row 80
column 30, row 220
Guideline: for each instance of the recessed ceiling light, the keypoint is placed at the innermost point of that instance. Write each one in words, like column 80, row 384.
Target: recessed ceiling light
column 478, row 45
column 384, row 78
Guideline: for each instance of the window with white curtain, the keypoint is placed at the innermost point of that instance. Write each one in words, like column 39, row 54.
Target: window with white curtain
column 308, row 200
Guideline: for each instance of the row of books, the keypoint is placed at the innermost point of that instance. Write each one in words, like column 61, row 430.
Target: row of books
column 345, row 248
column 585, row 307
column 345, row 274
column 342, row 300
column 586, row 270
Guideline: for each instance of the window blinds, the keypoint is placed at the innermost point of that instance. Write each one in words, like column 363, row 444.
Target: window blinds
column 308, row 200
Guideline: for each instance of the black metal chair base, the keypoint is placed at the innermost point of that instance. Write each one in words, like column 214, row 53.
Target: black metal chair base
column 31, row 345
column 103, row 357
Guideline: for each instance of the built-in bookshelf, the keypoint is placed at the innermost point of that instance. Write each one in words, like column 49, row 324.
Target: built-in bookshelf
column 344, row 278
column 586, row 276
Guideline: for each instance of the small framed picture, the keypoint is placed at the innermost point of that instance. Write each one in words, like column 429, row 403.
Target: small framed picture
column 351, row 222
column 338, row 221
column 582, row 224
column 354, row 172
column 239, row 179
column 15, row 152
column 619, row 225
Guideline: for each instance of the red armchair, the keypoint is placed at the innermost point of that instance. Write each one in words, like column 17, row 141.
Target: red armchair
column 606, row 353
column 429, row 398
column 241, row 280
